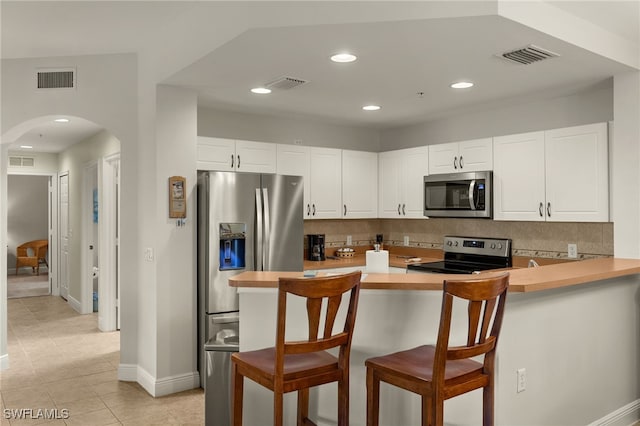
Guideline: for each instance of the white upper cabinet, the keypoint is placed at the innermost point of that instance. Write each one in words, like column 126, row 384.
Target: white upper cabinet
column 359, row 184
column 400, row 182
column 557, row 175
column 577, row 173
column 467, row 156
column 216, row 154
column 518, row 177
column 236, row 155
column 325, row 180
column 295, row 160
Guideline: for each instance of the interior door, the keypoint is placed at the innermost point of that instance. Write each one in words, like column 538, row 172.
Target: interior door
column 64, row 235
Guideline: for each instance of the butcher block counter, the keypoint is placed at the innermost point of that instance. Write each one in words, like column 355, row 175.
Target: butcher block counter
column 522, row 280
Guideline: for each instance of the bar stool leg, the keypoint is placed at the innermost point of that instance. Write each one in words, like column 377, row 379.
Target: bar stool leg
column 373, row 398
column 277, row 408
column 237, row 384
column 303, row 406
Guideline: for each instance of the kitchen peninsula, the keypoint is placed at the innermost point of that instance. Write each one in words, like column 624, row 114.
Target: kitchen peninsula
column 564, row 323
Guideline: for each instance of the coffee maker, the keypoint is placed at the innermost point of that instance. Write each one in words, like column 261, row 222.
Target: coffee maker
column 315, row 247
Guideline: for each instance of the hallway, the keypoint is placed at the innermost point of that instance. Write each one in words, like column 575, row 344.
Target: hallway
column 62, row 364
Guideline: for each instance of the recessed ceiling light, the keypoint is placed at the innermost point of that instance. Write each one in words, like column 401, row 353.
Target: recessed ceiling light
column 371, row 107
column 61, row 120
column 462, row 85
column 343, row 57
column 26, row 146
column 261, row 90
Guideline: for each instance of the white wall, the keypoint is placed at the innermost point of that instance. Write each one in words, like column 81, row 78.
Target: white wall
column 175, row 262
column 285, row 130
column 594, row 105
column 43, row 163
column 107, row 96
column 27, row 212
column 73, row 161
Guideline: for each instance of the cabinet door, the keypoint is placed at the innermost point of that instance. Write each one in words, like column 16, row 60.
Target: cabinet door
column 443, row 158
column 215, row 154
column 475, row 155
column 518, row 177
column 577, row 173
column 389, row 184
column 415, row 166
column 295, row 160
column 359, row 184
column 257, row 157
column 325, row 183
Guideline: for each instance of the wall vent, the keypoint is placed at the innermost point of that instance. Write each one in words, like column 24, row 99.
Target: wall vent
column 15, row 161
column 528, row 55
column 284, row 83
column 57, row 78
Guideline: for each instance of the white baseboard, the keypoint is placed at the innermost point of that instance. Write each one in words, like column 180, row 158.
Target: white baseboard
column 75, row 304
column 4, row 362
column 161, row 387
column 128, row 372
column 624, row 416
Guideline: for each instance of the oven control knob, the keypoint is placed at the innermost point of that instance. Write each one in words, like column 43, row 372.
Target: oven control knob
column 499, row 246
column 449, row 243
column 455, row 244
column 493, row 245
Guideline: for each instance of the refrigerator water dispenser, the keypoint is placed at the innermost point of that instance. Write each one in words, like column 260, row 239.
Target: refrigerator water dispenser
column 232, row 245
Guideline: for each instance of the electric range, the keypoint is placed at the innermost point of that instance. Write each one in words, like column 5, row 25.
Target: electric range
column 468, row 255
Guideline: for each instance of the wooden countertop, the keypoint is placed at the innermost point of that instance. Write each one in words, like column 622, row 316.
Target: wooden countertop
column 522, row 280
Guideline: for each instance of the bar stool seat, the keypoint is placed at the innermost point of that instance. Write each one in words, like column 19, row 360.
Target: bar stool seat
column 440, row 372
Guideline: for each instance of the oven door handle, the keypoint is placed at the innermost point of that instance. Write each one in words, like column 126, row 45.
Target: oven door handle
column 472, row 188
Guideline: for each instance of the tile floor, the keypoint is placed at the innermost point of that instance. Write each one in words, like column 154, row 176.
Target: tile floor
column 60, row 361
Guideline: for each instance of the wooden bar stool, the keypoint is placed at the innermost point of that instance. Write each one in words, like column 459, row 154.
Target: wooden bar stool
column 300, row 365
column 441, row 372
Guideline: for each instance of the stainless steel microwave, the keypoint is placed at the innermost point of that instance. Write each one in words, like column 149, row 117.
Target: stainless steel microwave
column 465, row 194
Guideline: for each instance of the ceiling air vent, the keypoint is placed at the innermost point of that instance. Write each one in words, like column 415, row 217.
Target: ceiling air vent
column 528, row 55
column 59, row 78
column 21, row 161
column 285, row 83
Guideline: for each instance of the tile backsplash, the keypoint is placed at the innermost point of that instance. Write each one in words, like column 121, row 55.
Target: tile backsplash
column 530, row 239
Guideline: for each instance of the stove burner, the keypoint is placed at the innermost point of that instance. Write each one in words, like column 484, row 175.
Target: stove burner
column 466, row 255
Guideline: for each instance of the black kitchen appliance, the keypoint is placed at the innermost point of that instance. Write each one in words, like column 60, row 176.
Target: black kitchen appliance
column 466, row 255
column 315, row 247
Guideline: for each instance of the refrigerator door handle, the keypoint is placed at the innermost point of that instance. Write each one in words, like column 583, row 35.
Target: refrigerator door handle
column 267, row 230
column 259, row 245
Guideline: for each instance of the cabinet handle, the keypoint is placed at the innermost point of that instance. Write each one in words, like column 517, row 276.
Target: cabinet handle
column 345, row 210
column 232, row 160
column 540, row 209
column 308, row 210
column 549, row 209
column 238, row 161
column 461, row 163
column 314, row 209
column 398, row 209
column 455, row 163
column 403, row 213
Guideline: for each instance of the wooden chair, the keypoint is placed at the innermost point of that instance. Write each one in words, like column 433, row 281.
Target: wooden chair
column 300, row 365
column 441, row 372
column 32, row 253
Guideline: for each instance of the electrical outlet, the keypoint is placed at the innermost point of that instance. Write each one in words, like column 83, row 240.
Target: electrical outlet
column 148, row 254
column 297, row 142
column 349, row 241
column 572, row 251
column 406, row 240
column 522, row 380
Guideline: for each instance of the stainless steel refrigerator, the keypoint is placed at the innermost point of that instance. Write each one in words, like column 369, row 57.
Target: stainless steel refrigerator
column 246, row 222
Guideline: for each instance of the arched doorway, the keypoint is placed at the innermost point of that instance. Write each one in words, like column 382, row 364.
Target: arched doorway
column 86, row 143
